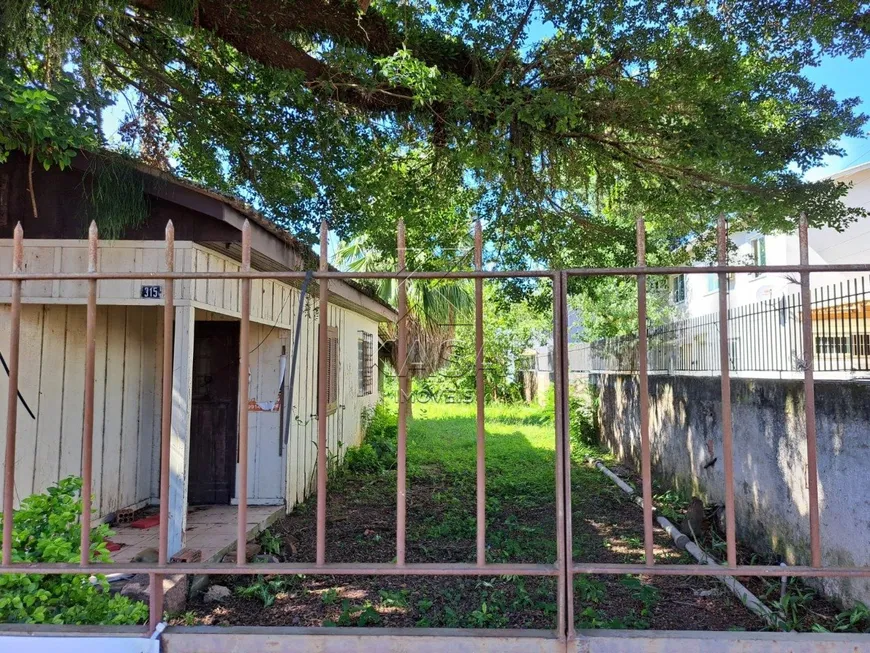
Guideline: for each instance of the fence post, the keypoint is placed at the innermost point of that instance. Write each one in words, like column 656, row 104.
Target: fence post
column 643, row 375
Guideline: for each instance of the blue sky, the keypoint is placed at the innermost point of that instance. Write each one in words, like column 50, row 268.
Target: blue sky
column 847, row 79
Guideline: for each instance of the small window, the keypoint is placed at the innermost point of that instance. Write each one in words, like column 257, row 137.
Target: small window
column 759, row 253
column 332, row 354
column 679, row 288
column 832, row 345
column 365, row 344
column 861, row 344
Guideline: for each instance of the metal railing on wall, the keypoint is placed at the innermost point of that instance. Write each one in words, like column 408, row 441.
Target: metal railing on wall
column 563, row 568
column 764, row 336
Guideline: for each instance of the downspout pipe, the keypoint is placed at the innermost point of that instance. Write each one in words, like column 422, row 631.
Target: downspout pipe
column 685, row 543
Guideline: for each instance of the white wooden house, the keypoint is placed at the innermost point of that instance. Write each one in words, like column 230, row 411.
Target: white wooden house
column 205, row 351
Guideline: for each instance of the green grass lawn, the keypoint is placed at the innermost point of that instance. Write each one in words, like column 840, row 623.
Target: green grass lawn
column 520, row 479
column 441, row 527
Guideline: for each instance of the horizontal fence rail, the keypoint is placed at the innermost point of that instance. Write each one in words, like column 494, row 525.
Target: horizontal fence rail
column 794, row 317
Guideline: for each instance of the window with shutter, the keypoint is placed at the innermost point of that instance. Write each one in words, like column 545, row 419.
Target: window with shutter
column 365, row 345
column 331, row 370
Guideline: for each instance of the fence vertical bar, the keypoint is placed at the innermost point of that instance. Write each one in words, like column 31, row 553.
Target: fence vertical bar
column 322, row 391
column 478, row 382
column 822, row 309
column 782, row 331
column 165, row 427
column 709, row 356
column 833, row 347
column 12, row 400
column 643, row 376
column 88, row 416
column 821, row 339
column 770, row 345
column 865, row 335
column 810, row 397
column 854, row 340
column 793, row 316
column 727, row 433
column 846, row 319
column 563, row 578
column 244, row 353
column 568, row 547
column 755, row 356
column 402, row 362
column 830, row 303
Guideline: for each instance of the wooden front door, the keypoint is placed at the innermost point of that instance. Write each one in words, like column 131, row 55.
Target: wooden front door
column 213, row 421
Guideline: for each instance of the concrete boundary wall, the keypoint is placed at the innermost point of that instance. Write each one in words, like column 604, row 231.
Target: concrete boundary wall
column 770, row 463
column 215, row 639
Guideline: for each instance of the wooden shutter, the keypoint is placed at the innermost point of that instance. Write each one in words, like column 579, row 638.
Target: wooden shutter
column 332, row 354
column 364, row 362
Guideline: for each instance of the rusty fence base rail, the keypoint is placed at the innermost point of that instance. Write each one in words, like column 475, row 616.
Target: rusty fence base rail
column 292, row 568
column 435, row 569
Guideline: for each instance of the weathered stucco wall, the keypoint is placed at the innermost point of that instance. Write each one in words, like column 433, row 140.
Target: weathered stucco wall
column 770, row 464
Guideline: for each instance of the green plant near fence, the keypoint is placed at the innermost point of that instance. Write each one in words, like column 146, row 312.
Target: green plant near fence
column 378, row 450
column 46, row 528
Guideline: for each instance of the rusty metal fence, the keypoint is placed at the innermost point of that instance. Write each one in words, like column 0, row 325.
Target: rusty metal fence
column 563, row 569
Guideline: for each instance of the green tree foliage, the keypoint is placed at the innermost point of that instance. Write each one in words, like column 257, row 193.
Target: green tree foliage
column 535, row 114
column 509, row 328
column 434, row 305
column 46, row 529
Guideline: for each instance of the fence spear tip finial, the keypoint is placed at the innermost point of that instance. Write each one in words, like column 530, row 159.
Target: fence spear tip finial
column 170, row 228
column 93, row 230
column 18, row 248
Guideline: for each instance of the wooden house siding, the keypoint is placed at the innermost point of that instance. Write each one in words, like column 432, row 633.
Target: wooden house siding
column 129, row 372
column 270, row 299
column 127, row 400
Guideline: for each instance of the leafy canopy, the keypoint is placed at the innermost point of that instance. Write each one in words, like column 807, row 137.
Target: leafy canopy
column 535, row 114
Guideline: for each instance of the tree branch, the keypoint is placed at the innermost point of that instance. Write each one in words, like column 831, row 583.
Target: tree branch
column 660, row 166
column 340, row 20
column 512, row 43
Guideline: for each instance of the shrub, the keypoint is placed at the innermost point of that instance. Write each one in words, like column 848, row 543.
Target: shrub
column 363, row 460
column 382, row 434
column 584, row 431
column 46, row 528
column 378, row 450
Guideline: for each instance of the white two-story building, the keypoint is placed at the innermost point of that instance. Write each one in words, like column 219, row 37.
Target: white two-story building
column 764, row 316
column 697, row 295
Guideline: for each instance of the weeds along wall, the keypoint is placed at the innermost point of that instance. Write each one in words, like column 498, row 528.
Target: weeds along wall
column 770, row 459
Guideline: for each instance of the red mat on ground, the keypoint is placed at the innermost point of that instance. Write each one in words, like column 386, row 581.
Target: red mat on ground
column 146, row 522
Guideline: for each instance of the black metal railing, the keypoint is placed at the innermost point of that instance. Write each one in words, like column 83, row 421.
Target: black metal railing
column 764, row 336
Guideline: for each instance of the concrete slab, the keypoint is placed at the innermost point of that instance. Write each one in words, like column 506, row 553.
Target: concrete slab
column 209, row 528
